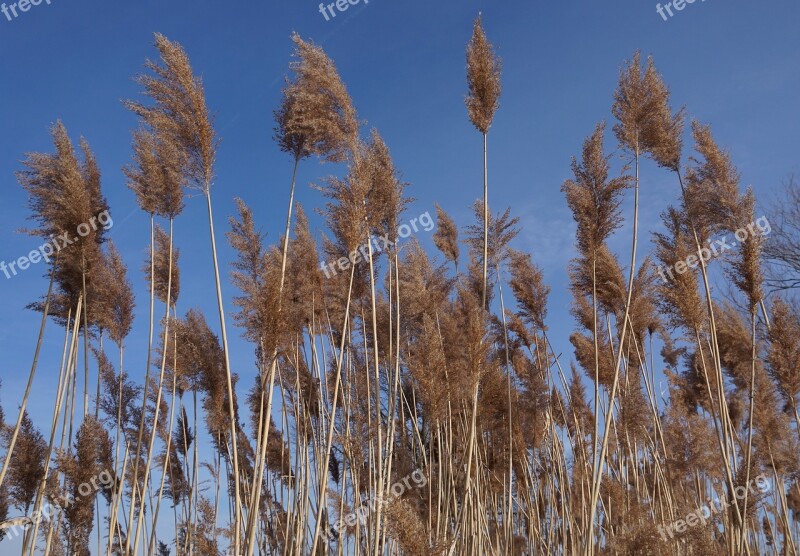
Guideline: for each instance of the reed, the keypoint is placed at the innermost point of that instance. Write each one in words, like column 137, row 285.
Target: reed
column 417, row 404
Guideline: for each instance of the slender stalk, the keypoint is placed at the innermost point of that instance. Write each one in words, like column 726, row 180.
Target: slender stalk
column 262, row 438
column 157, row 407
column 598, row 473
column 231, row 410
column 12, row 443
column 485, row 221
column 63, row 385
column 743, row 532
column 139, row 438
column 167, row 464
column 85, row 338
column 329, row 441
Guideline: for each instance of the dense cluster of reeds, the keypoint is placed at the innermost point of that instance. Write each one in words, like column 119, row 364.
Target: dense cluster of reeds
column 410, row 364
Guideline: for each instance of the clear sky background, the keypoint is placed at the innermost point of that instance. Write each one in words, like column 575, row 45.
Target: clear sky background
column 733, row 63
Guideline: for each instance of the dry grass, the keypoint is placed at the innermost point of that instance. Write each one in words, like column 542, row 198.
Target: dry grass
column 410, row 365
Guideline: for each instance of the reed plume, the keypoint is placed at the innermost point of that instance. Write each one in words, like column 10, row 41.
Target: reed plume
column 593, row 198
column 157, row 174
column 27, row 469
column 784, row 352
column 483, row 80
column 316, row 116
column 446, row 236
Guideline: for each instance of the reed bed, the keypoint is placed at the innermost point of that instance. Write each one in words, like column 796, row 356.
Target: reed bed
column 413, row 404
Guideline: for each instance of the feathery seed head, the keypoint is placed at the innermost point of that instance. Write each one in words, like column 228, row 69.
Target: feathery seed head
column 446, row 236
column 316, row 116
column 645, row 120
column 179, row 115
column 592, row 197
column 157, row 173
column 483, row 79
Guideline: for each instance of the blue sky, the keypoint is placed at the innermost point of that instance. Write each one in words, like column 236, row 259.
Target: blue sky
column 732, row 63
